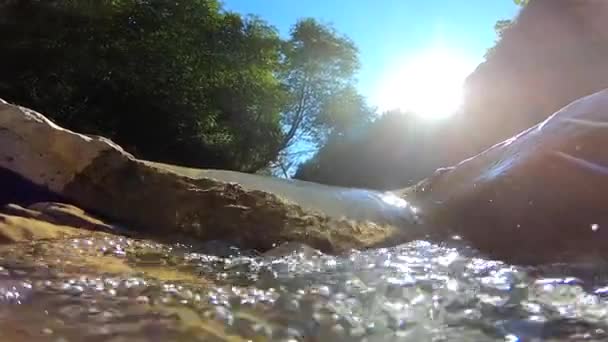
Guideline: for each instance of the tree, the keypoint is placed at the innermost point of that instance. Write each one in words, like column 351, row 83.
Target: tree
column 318, row 75
column 500, row 27
column 183, row 82
column 391, row 152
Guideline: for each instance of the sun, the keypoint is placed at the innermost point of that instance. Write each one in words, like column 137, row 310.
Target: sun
column 429, row 84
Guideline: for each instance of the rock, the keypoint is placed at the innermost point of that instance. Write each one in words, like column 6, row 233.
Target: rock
column 536, row 197
column 94, row 284
column 555, row 52
column 42, row 152
column 539, row 196
column 60, row 214
column 99, row 176
column 18, row 229
column 47, row 220
column 16, row 210
column 16, row 189
column 58, row 222
column 292, row 248
column 337, row 202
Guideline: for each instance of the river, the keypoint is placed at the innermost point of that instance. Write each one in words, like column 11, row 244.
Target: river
column 114, row 288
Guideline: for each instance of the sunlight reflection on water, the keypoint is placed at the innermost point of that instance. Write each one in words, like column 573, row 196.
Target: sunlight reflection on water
column 392, row 199
column 416, row 291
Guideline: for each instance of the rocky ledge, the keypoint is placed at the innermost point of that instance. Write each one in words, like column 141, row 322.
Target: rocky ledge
column 539, row 196
column 98, row 175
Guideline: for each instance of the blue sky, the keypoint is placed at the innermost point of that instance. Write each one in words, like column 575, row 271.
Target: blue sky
column 389, row 31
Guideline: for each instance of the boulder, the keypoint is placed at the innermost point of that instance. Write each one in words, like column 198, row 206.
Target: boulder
column 20, row 229
column 61, row 214
column 99, row 286
column 99, row 176
column 539, row 196
column 555, row 52
column 49, row 226
column 16, row 189
column 44, row 221
column 55, row 270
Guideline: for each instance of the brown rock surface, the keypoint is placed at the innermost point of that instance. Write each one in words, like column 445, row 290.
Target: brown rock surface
column 19, row 229
column 99, row 176
column 539, row 196
column 536, row 197
column 555, row 52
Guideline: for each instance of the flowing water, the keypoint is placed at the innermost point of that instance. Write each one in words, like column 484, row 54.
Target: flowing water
column 110, row 288
column 113, row 288
column 355, row 204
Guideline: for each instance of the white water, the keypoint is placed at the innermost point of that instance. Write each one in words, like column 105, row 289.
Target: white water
column 355, row 204
column 414, row 292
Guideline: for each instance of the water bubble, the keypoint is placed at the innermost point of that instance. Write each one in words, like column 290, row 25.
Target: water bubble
column 142, row 300
column 511, row 338
column 417, row 291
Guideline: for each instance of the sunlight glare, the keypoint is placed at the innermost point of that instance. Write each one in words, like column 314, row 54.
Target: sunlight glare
column 429, row 85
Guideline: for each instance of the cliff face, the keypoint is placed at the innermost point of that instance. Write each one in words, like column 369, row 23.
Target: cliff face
column 555, row 52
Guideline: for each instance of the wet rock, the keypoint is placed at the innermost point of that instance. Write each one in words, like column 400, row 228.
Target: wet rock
column 93, row 287
column 99, row 176
column 60, row 214
column 539, row 196
column 70, row 215
column 336, row 202
column 292, row 248
column 14, row 209
column 208, row 209
column 554, row 53
column 42, row 152
column 50, row 221
column 18, row 229
column 46, row 221
column 536, row 197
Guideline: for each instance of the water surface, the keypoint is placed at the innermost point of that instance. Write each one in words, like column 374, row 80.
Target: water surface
column 338, row 202
column 108, row 288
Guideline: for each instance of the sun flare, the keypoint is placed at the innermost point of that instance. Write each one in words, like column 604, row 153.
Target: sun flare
column 429, row 85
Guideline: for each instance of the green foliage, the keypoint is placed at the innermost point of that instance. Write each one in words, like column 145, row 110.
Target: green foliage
column 318, row 72
column 181, row 82
column 501, row 26
column 388, row 153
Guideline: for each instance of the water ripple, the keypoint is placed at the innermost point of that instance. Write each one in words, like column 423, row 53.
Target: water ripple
column 124, row 289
